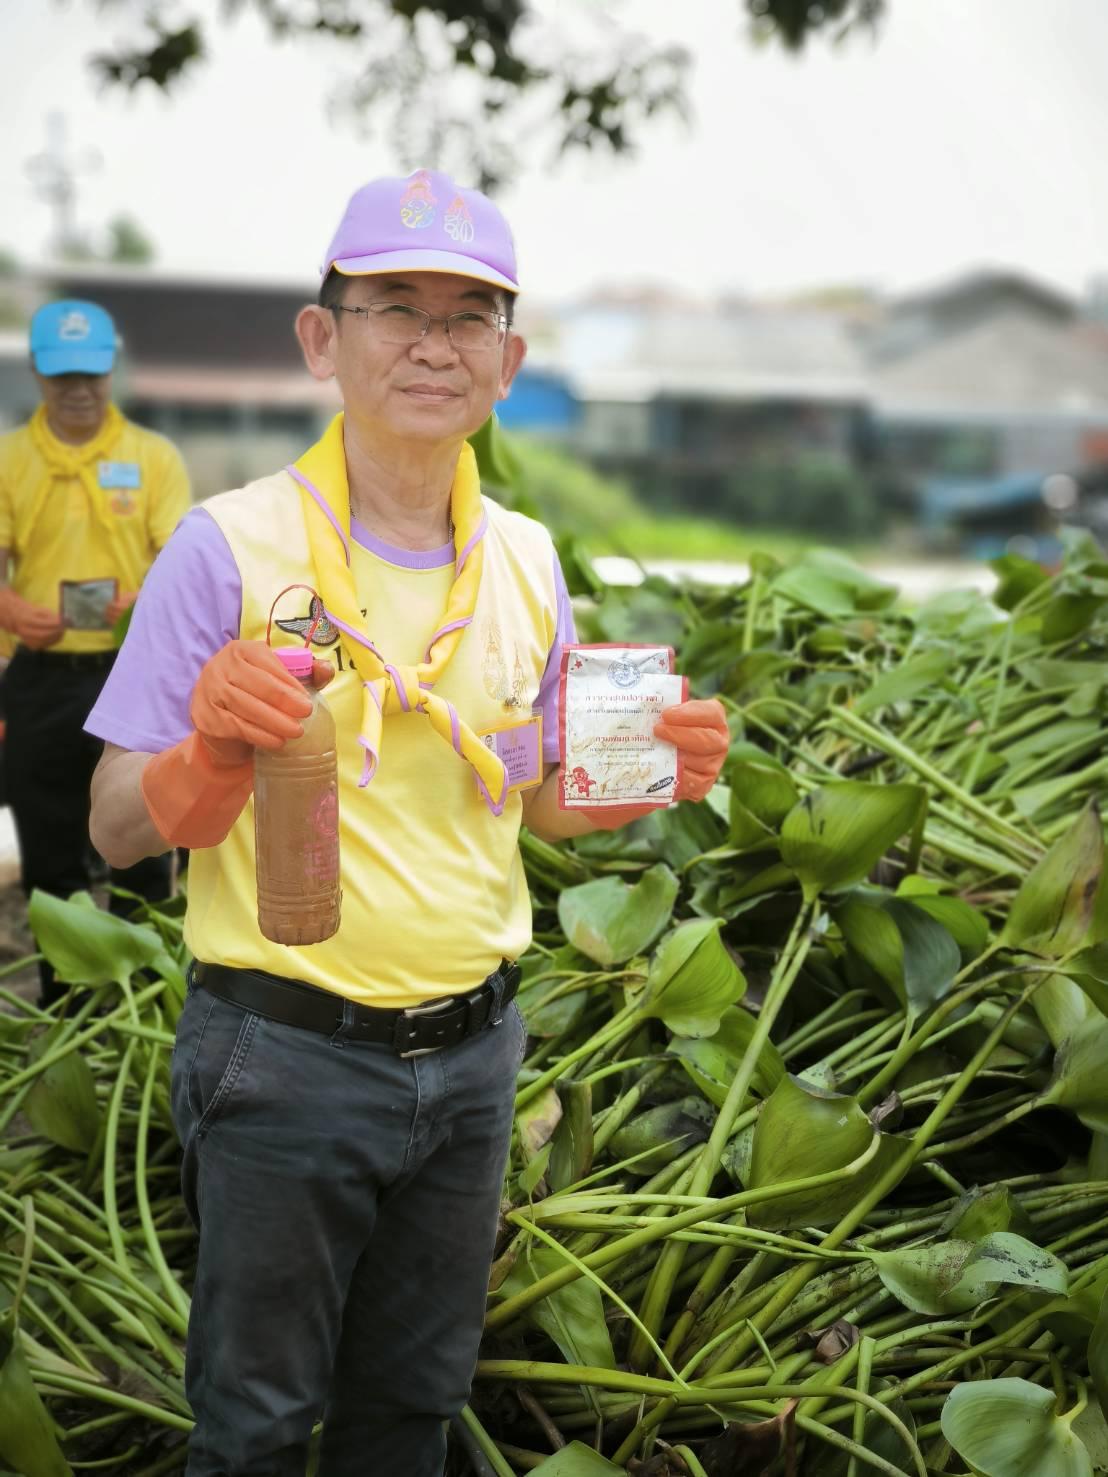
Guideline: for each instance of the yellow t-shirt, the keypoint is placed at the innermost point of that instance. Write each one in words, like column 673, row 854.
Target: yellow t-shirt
column 146, row 490
column 434, row 893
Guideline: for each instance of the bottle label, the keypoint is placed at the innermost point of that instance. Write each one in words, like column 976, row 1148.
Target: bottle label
column 518, row 745
column 321, row 857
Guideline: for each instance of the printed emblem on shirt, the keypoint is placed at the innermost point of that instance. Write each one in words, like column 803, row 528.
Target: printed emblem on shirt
column 417, row 205
column 458, row 222
column 502, row 687
column 325, row 632
column 122, row 503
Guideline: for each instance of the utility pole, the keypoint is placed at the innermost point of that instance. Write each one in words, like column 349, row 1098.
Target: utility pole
column 54, row 174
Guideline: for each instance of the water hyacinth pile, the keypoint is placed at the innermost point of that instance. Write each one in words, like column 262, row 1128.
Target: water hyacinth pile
column 810, row 1170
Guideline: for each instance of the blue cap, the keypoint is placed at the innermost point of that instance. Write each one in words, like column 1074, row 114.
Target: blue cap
column 72, row 337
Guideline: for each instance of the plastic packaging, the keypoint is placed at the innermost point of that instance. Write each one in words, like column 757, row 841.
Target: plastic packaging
column 296, row 825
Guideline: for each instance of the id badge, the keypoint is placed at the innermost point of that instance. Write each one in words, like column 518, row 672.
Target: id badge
column 518, row 745
column 119, row 474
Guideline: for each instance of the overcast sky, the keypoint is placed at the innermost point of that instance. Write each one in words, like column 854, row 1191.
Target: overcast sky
column 971, row 132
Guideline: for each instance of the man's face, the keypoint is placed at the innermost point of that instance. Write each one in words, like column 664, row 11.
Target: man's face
column 75, row 403
column 428, row 391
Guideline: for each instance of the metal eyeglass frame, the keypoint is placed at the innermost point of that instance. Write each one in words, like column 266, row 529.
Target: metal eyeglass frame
column 496, row 320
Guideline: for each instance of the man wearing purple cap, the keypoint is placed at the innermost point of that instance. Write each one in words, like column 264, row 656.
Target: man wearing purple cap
column 345, row 1108
column 86, row 501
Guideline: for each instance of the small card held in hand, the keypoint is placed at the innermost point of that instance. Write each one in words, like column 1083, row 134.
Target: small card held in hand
column 610, row 698
column 84, row 603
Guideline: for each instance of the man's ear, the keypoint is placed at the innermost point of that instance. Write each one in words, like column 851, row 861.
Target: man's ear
column 514, row 351
column 316, row 329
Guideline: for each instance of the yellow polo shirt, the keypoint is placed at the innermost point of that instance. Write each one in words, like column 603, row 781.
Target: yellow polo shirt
column 146, row 491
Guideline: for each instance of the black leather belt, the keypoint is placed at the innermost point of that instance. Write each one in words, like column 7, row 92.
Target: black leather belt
column 421, row 1028
column 58, row 661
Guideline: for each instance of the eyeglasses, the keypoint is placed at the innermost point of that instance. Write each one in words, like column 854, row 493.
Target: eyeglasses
column 399, row 323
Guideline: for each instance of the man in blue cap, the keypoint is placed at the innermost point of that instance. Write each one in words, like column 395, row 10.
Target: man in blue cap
column 86, row 501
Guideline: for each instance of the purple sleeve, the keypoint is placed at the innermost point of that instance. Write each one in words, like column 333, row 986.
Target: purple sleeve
column 189, row 607
column 547, row 703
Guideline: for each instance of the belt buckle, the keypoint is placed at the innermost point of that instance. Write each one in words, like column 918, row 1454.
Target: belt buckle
column 434, row 1007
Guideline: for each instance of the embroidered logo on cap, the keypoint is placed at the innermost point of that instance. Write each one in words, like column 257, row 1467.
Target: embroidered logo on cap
column 458, row 223
column 74, row 326
column 417, row 204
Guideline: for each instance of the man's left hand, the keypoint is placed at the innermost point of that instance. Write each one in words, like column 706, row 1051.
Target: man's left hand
column 115, row 608
column 698, row 729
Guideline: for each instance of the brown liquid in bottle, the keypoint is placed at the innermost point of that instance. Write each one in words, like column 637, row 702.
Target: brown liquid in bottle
column 296, row 825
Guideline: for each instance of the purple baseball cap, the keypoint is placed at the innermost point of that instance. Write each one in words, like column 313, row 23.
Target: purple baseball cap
column 425, row 223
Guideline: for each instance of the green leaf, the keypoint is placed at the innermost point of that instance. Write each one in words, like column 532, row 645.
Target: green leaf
column 1053, row 908
column 838, row 833
column 1098, row 1352
column 908, row 680
column 1008, row 1428
column 576, row 1460
column 830, row 584
column 537, row 1121
column 571, row 1146
column 952, row 1276
column 1080, row 1078
column 1089, row 970
column 968, row 928
column 1061, row 1005
column 762, row 794
column 27, row 1441
column 561, row 1014
column 692, row 979
column 61, row 1104
column 86, row 945
column 686, row 831
column 1066, row 616
column 911, row 951
column 712, row 1061
column 497, row 463
column 965, row 614
column 981, row 1212
column 533, row 1171
column 662, row 1134
column 802, row 1131
column 573, row 1316
column 1018, row 577
column 610, row 921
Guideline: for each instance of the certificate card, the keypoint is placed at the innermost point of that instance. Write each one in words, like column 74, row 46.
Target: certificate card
column 84, row 603
column 610, row 698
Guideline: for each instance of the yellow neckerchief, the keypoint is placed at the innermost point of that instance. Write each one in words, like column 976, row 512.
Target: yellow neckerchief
column 325, row 499
column 66, row 462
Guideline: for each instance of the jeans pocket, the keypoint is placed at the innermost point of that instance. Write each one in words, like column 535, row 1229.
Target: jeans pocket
column 217, row 1062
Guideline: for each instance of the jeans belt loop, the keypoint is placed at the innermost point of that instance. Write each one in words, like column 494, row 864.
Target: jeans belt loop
column 495, row 983
column 342, row 1030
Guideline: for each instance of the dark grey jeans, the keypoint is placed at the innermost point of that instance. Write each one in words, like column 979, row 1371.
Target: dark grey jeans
column 347, row 1202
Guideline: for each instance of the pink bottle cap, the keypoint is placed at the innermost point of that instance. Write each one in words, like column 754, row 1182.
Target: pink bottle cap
column 296, row 659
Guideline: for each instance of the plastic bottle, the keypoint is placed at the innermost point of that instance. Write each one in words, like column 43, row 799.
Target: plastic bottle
column 296, row 824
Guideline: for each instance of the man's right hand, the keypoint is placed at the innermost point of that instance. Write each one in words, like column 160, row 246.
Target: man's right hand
column 33, row 626
column 244, row 699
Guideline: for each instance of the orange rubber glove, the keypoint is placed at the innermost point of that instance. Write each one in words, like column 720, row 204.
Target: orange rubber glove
column 33, row 626
column 243, row 699
column 697, row 728
column 699, row 731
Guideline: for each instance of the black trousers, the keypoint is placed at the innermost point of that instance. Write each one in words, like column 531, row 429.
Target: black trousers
column 48, row 765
